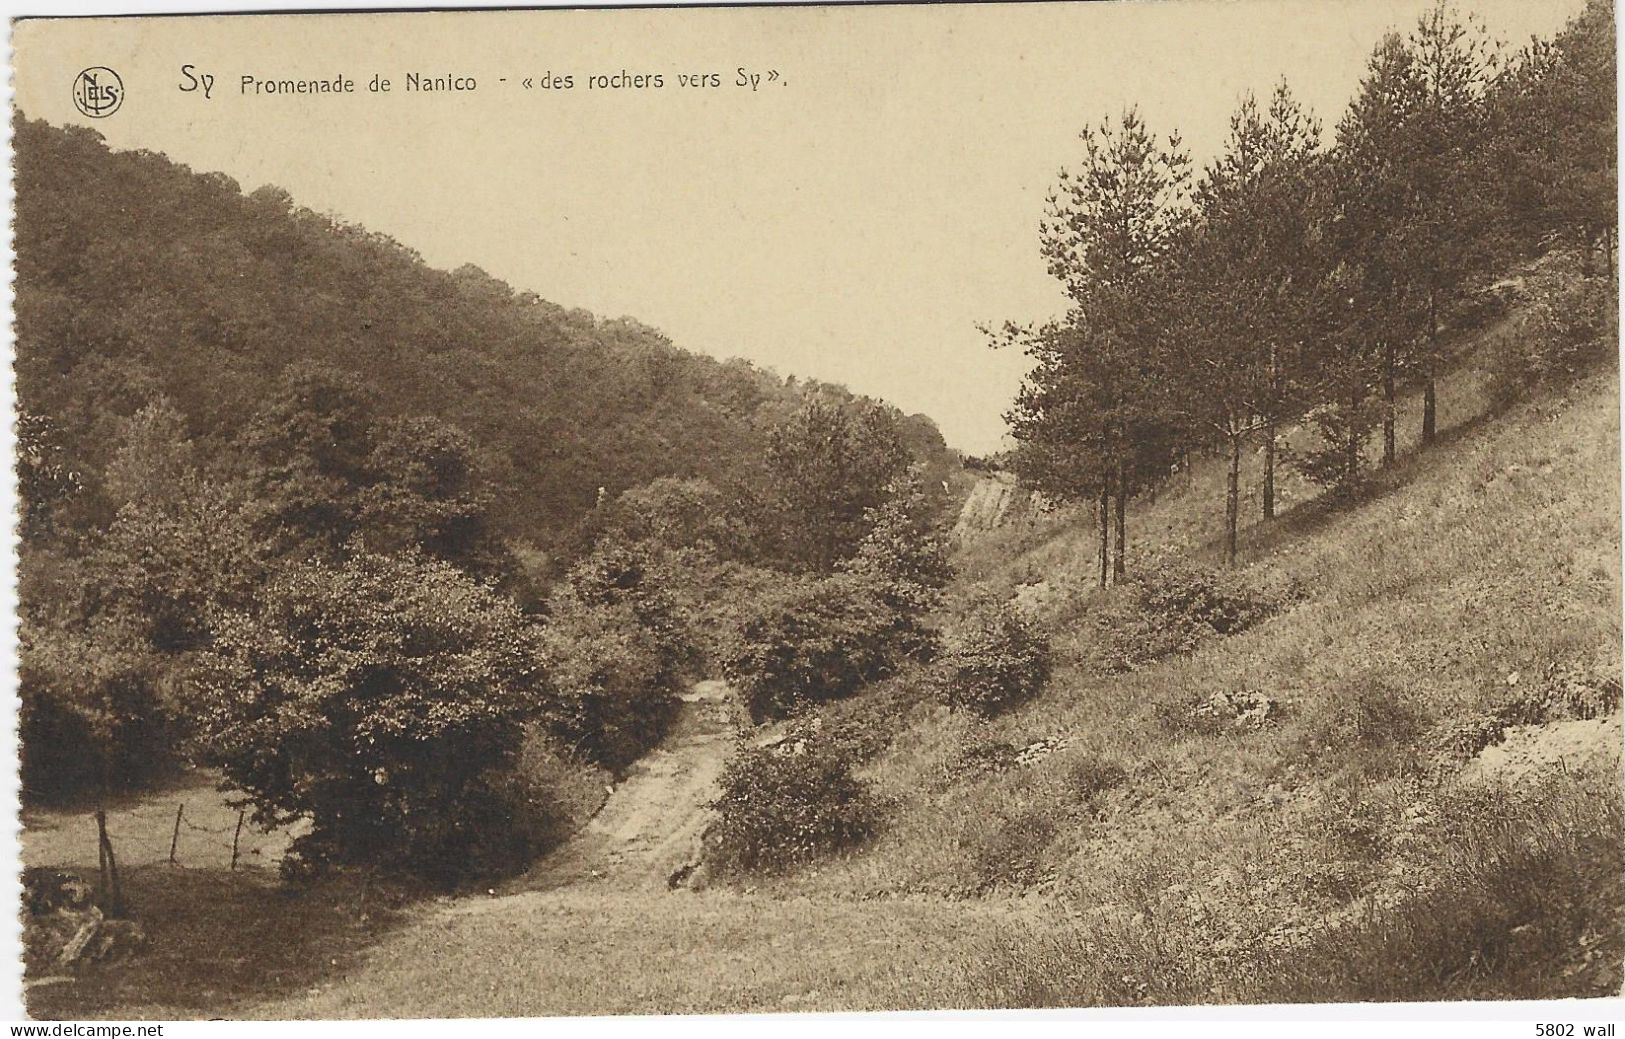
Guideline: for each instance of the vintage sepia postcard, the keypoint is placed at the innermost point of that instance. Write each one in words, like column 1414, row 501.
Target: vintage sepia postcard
column 537, row 513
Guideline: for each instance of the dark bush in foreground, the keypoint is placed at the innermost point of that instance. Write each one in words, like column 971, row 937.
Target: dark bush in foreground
column 90, row 715
column 788, row 804
column 379, row 699
column 994, row 659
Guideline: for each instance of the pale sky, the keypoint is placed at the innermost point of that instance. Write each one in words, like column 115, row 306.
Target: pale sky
column 854, row 222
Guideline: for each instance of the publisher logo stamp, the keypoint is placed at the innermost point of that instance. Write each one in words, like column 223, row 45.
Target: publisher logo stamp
column 98, row 92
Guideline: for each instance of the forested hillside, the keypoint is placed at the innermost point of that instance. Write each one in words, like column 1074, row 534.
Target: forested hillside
column 165, row 282
column 357, row 532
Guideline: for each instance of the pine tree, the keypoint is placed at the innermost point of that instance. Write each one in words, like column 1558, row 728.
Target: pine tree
column 1374, row 203
column 1455, row 61
column 1094, row 402
column 1241, row 284
column 1553, row 125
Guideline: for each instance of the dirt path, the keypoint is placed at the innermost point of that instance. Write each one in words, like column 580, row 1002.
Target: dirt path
column 650, row 827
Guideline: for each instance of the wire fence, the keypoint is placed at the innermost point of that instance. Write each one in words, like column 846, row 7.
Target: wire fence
column 191, row 832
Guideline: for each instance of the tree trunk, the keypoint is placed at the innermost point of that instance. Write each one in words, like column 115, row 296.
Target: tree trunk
column 1118, row 567
column 1269, row 433
column 1269, row 468
column 1430, row 405
column 1430, row 410
column 1105, row 526
column 1388, row 410
column 1232, row 500
column 1351, row 446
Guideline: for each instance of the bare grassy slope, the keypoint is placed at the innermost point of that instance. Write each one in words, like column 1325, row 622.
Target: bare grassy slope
column 1492, row 555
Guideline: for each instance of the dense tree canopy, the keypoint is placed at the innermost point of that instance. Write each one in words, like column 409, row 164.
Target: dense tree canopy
column 1306, row 281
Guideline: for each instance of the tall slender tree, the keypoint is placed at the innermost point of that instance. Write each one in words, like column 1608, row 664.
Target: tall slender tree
column 1374, row 203
column 1095, row 388
column 1240, row 279
column 1455, row 61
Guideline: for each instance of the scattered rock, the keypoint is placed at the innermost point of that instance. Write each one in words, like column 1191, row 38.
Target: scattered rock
column 1562, row 745
column 69, row 936
column 47, row 890
column 1038, row 750
column 1240, row 708
column 74, row 950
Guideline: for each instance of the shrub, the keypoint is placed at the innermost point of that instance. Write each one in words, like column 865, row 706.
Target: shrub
column 905, row 558
column 993, row 660
column 813, row 640
column 376, row 699
column 678, row 514
column 981, row 756
column 1370, row 724
column 640, row 577
column 1173, row 606
column 612, row 690
column 789, row 804
column 1224, row 602
column 1012, row 853
column 540, row 798
column 1090, row 777
column 1568, row 327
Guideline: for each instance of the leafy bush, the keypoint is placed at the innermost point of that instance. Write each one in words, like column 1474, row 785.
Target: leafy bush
column 905, row 557
column 814, row 640
column 542, row 797
column 612, row 690
column 830, row 465
column 788, row 804
column 1173, row 606
column 1569, row 326
column 618, row 646
column 678, row 514
column 992, row 660
column 639, row 576
column 379, row 699
column 91, row 717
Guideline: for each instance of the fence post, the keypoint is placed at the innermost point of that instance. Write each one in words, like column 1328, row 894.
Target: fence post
column 175, row 838
column 235, row 836
column 109, row 866
column 103, row 885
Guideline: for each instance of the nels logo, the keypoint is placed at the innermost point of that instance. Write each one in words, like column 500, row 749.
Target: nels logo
column 98, row 91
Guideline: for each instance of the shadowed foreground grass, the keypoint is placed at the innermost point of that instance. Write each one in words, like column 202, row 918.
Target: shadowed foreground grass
column 217, row 939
